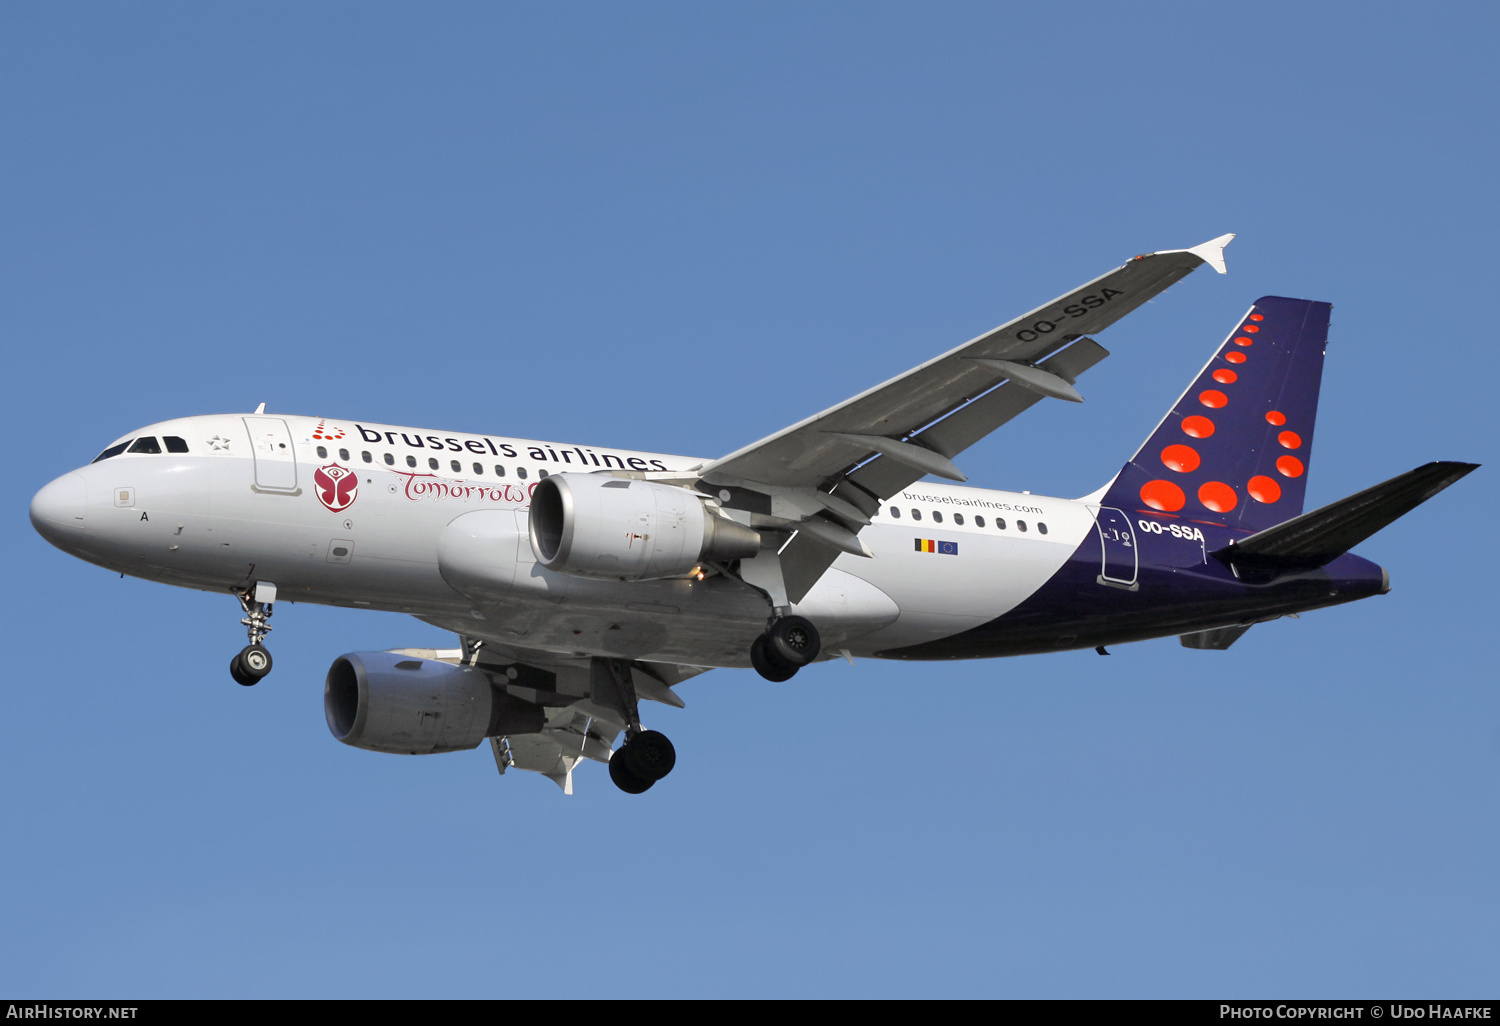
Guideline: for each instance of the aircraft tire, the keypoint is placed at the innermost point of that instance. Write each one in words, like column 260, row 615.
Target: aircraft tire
column 624, row 779
column 240, row 676
column 768, row 664
column 255, row 661
column 794, row 640
column 648, row 755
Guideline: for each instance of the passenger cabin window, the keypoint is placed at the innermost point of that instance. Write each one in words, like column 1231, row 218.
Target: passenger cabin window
column 175, row 444
column 112, row 451
column 895, row 513
column 541, row 473
column 521, row 473
column 1041, row 528
column 958, row 518
column 457, row 467
column 916, row 514
column 366, row 457
column 411, row 461
column 1021, row 525
column 478, row 469
column 979, row 521
column 937, row 516
column 344, row 455
column 1000, row 523
column 390, row 460
column 431, row 463
column 499, row 470
column 322, row 453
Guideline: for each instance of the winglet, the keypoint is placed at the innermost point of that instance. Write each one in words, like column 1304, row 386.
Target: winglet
column 1212, row 252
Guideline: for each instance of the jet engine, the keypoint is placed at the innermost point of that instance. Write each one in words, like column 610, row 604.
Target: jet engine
column 385, row 702
column 617, row 528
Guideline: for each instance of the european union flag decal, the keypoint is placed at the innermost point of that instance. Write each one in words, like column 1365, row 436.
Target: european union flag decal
column 942, row 548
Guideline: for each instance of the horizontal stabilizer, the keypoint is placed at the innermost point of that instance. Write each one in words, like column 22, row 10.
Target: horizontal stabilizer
column 1317, row 538
column 1217, row 639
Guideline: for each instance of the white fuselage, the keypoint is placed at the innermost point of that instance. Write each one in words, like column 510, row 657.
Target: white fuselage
column 435, row 524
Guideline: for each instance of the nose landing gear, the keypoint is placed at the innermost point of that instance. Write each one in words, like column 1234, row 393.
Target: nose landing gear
column 253, row 661
column 790, row 643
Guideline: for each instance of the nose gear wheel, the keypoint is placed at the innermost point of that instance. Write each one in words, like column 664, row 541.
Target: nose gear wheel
column 251, row 664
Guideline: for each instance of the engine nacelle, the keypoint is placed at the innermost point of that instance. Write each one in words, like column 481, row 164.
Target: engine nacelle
column 592, row 525
column 384, row 702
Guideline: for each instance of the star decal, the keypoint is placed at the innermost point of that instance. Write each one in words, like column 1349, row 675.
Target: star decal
column 218, row 443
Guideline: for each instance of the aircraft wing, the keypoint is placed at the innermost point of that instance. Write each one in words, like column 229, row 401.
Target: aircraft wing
column 825, row 476
column 582, row 716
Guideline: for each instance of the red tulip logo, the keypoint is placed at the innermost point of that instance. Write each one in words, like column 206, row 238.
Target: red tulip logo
column 337, row 486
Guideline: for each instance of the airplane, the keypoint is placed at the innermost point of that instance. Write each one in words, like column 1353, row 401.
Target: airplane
column 581, row 580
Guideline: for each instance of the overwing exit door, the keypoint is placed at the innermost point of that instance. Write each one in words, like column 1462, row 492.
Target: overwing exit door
column 1120, row 560
column 275, row 460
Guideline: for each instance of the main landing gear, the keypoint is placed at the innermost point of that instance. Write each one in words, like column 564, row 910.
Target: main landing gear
column 641, row 761
column 647, row 755
column 253, row 661
column 790, row 643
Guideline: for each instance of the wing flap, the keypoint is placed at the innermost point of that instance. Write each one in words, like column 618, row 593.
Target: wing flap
column 803, row 562
column 581, row 721
column 884, row 477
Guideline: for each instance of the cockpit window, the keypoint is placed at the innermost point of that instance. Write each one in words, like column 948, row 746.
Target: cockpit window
column 113, row 450
column 175, row 444
column 146, row 444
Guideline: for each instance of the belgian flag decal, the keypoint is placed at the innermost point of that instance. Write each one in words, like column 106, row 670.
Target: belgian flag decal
column 942, row 548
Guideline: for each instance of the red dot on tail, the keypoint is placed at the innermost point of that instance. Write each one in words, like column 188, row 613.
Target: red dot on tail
column 1257, row 317
column 1290, row 440
column 1263, row 489
column 1291, row 466
column 1214, row 400
column 1235, row 357
column 1197, row 427
column 1163, row 495
column 1252, row 329
column 1182, row 458
column 1244, row 340
column 1225, row 376
column 1276, row 417
column 1218, row 496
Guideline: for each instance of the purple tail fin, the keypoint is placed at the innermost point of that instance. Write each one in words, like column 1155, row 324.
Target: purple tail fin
column 1237, row 447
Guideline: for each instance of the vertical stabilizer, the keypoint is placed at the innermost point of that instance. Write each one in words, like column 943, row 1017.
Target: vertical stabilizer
column 1237, row 447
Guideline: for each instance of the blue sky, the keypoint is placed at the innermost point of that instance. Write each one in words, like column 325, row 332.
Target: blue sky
column 680, row 227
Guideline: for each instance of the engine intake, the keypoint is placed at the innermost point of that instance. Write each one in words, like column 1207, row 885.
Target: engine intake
column 592, row 525
column 385, row 702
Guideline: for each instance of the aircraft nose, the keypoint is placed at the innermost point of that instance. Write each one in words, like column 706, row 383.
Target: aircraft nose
column 57, row 510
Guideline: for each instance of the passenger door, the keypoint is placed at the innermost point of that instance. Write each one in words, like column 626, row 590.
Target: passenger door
column 275, row 459
column 1120, row 561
